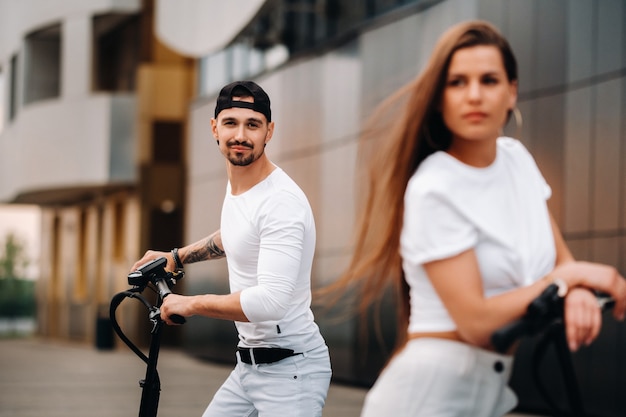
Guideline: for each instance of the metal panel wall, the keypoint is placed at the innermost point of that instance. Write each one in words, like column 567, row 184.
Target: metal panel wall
column 573, row 97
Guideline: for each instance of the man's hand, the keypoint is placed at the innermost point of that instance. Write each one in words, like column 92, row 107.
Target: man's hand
column 152, row 255
column 175, row 304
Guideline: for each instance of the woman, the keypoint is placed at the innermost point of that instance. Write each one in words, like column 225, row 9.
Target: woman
column 456, row 219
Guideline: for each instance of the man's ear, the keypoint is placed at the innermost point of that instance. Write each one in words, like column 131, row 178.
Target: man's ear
column 270, row 132
column 214, row 130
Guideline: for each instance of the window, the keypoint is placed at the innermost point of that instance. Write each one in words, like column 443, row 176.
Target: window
column 167, row 139
column 13, row 88
column 116, row 51
column 238, row 61
column 42, row 76
column 215, row 71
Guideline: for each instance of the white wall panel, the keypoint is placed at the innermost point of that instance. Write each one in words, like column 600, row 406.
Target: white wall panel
column 76, row 51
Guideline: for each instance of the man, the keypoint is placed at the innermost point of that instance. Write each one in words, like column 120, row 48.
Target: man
column 267, row 235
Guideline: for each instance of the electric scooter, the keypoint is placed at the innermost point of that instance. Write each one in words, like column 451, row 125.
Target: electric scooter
column 154, row 276
column 544, row 317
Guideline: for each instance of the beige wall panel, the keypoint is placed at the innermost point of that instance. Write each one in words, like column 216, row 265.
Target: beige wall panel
column 296, row 110
column 522, row 37
column 305, row 171
column 205, row 207
column 143, row 144
column 45, row 283
column 203, row 217
column 577, row 165
column 206, row 163
column 69, row 251
column 92, row 260
column 340, row 98
column 92, row 251
column 545, row 140
column 163, row 91
column 103, row 290
column 622, row 174
column 341, row 124
column 329, row 265
column 337, row 214
column 622, row 250
column 131, row 231
column 606, row 250
column 67, row 268
column 580, row 248
column 608, row 119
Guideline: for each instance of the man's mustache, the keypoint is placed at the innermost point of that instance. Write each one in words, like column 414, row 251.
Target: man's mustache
column 232, row 143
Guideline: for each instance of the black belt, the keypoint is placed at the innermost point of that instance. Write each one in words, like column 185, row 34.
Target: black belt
column 264, row 355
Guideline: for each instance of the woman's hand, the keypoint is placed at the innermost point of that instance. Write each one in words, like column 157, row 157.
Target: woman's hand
column 598, row 277
column 583, row 318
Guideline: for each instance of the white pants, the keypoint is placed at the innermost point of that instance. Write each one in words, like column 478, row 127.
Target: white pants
column 437, row 378
column 293, row 387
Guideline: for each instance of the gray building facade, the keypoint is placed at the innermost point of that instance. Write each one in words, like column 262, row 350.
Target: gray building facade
column 99, row 130
column 338, row 59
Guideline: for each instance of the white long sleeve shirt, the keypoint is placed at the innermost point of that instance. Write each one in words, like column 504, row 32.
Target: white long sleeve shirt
column 268, row 234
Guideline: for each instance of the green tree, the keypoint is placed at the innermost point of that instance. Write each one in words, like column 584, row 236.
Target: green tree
column 17, row 294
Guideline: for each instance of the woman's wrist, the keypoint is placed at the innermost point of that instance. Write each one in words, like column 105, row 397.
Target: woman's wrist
column 563, row 287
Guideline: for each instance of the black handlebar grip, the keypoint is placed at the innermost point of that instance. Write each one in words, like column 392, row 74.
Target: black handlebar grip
column 547, row 308
column 178, row 319
column 164, row 291
column 503, row 338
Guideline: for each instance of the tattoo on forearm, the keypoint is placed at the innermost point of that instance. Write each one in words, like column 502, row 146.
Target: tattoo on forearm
column 214, row 250
column 205, row 249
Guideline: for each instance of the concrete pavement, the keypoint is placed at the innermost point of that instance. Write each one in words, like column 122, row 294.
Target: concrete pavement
column 59, row 379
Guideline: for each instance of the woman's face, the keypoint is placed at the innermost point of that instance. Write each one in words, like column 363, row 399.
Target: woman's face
column 477, row 94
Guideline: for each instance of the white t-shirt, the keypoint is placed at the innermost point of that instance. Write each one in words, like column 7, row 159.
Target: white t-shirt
column 268, row 234
column 499, row 211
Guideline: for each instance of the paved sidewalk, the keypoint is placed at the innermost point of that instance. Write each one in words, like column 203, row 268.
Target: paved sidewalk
column 58, row 379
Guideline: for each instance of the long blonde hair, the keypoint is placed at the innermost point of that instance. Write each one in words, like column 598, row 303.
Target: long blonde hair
column 413, row 129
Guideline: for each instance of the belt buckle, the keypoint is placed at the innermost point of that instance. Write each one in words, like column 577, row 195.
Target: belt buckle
column 247, row 356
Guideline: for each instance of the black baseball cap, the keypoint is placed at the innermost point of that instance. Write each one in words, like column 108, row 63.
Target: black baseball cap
column 261, row 99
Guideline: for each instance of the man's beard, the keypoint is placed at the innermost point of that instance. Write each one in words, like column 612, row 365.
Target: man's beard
column 239, row 159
